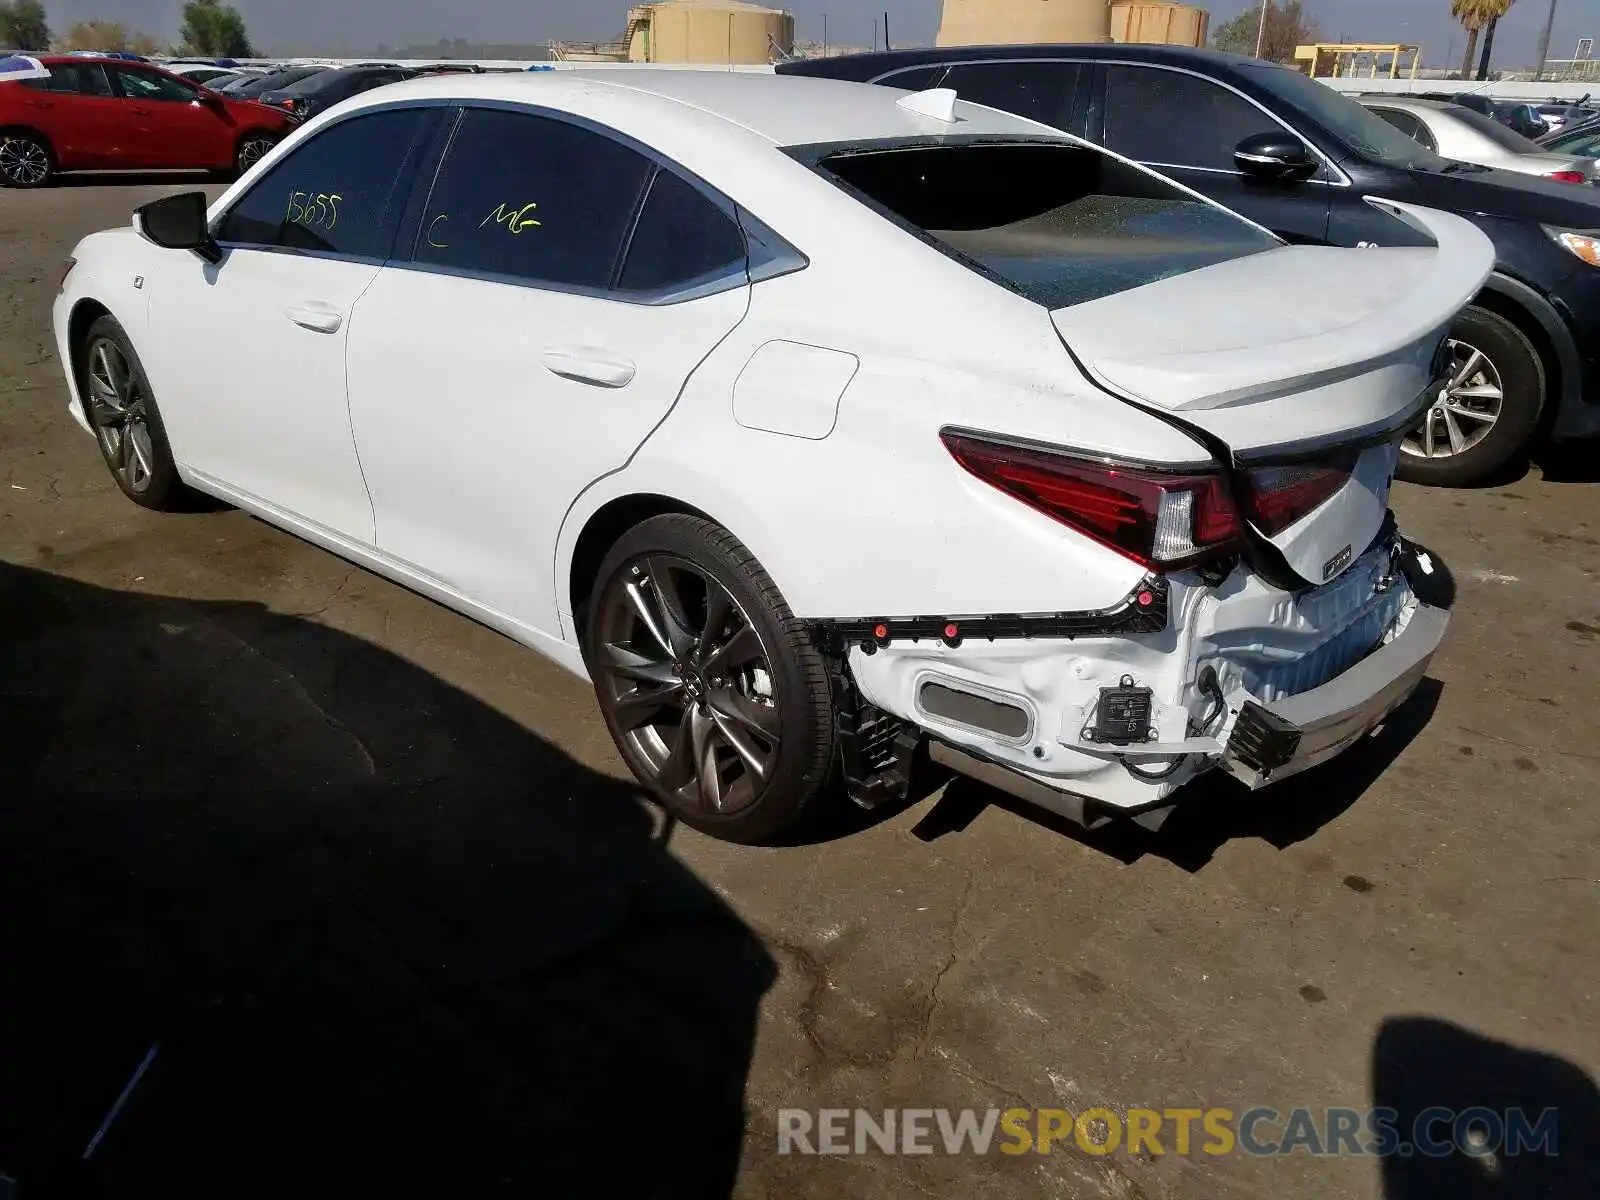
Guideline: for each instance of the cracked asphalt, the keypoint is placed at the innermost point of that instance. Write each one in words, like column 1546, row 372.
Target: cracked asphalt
column 374, row 888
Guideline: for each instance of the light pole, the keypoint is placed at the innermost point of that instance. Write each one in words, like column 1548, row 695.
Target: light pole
column 1261, row 36
column 1544, row 41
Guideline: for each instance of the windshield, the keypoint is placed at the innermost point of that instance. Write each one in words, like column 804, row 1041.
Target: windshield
column 1058, row 223
column 1362, row 133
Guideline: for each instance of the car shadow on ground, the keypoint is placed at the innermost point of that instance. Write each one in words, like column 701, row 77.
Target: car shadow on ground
column 1420, row 1064
column 1217, row 809
column 1571, row 462
column 359, row 931
column 131, row 179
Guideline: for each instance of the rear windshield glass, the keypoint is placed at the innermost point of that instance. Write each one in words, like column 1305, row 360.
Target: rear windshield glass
column 1057, row 223
column 1491, row 130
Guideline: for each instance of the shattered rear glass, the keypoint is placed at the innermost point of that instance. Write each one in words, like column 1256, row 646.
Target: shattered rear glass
column 1059, row 223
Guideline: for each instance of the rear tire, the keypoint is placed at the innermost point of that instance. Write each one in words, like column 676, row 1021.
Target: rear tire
column 713, row 692
column 26, row 161
column 1491, row 411
column 122, row 412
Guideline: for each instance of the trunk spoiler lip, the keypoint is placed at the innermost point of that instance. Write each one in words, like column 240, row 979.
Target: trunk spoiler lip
column 1227, row 377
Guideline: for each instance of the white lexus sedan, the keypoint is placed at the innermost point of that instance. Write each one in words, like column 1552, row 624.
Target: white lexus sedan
column 811, row 421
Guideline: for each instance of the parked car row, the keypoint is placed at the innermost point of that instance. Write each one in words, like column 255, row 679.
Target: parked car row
column 1466, row 136
column 816, row 422
column 98, row 113
column 1302, row 160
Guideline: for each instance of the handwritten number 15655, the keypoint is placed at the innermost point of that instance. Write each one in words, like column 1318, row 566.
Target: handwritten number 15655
column 318, row 210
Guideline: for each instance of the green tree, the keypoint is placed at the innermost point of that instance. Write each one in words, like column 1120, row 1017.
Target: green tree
column 1475, row 16
column 94, row 35
column 23, row 26
column 1288, row 26
column 215, row 30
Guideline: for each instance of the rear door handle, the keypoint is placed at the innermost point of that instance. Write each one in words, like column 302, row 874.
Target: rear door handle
column 315, row 316
column 41, row 103
column 142, row 112
column 587, row 365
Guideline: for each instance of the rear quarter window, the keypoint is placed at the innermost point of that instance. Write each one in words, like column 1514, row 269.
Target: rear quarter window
column 1057, row 223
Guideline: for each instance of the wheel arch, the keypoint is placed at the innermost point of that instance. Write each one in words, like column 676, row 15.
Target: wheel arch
column 601, row 530
column 1537, row 319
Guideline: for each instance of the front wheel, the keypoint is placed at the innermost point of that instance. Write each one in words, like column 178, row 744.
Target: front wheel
column 25, row 161
column 1489, row 411
column 122, row 413
column 251, row 151
column 714, row 694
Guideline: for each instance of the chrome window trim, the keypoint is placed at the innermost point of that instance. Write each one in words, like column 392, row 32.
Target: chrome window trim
column 768, row 254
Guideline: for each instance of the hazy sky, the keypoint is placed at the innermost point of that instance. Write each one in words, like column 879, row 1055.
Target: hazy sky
column 363, row 24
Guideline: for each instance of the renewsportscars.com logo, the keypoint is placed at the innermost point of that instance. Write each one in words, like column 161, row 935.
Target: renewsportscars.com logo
column 1258, row 1132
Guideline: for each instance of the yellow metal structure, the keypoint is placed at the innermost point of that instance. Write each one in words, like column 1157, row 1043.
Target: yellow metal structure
column 991, row 22
column 1342, row 60
column 1162, row 24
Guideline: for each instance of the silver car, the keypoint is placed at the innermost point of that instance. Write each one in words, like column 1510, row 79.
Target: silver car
column 1467, row 136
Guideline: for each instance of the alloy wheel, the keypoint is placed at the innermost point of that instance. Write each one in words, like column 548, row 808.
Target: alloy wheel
column 687, row 684
column 251, row 152
column 119, row 413
column 1466, row 409
column 23, row 161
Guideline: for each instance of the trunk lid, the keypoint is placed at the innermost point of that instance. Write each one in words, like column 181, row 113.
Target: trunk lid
column 1293, row 361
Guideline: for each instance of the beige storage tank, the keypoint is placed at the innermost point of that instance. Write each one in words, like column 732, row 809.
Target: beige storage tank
column 988, row 22
column 1164, row 24
column 711, row 32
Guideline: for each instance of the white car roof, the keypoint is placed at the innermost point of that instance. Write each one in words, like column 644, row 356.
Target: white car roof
column 781, row 110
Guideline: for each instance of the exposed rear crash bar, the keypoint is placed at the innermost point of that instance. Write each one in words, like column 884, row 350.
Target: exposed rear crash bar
column 1271, row 742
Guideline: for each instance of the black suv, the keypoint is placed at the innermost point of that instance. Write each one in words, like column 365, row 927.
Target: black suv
column 1299, row 158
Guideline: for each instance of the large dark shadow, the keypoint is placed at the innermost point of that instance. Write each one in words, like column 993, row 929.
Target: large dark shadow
column 1419, row 1063
column 1571, row 462
column 130, row 178
column 1217, row 809
column 382, row 939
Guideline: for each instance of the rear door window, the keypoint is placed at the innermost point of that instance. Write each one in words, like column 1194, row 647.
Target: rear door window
column 681, row 239
column 1171, row 118
column 73, row 79
column 1056, row 223
column 1409, row 124
column 533, row 199
column 342, row 192
column 1041, row 91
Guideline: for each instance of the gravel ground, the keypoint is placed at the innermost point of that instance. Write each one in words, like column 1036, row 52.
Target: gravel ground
column 370, row 883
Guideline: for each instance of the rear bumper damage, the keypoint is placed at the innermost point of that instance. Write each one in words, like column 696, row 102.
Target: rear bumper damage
column 1096, row 723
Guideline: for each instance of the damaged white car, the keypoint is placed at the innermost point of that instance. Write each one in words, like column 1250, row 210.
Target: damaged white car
column 811, row 421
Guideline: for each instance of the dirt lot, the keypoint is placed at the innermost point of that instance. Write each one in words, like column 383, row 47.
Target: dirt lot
column 369, row 883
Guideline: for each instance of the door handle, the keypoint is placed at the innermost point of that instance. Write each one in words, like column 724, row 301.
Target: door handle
column 315, row 316
column 41, row 103
column 586, row 365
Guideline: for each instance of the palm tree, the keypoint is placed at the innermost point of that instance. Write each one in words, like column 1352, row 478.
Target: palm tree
column 1475, row 15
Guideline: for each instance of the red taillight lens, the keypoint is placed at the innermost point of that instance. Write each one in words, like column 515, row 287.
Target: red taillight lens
column 1276, row 497
column 1160, row 520
column 1568, row 176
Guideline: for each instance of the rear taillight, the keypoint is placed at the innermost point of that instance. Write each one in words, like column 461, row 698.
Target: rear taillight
column 1568, row 176
column 1276, row 497
column 1162, row 520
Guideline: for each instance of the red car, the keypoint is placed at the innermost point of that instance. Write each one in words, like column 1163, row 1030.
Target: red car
column 104, row 114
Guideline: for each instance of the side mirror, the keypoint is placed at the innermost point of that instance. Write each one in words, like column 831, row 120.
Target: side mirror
column 178, row 223
column 1275, row 158
column 209, row 98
